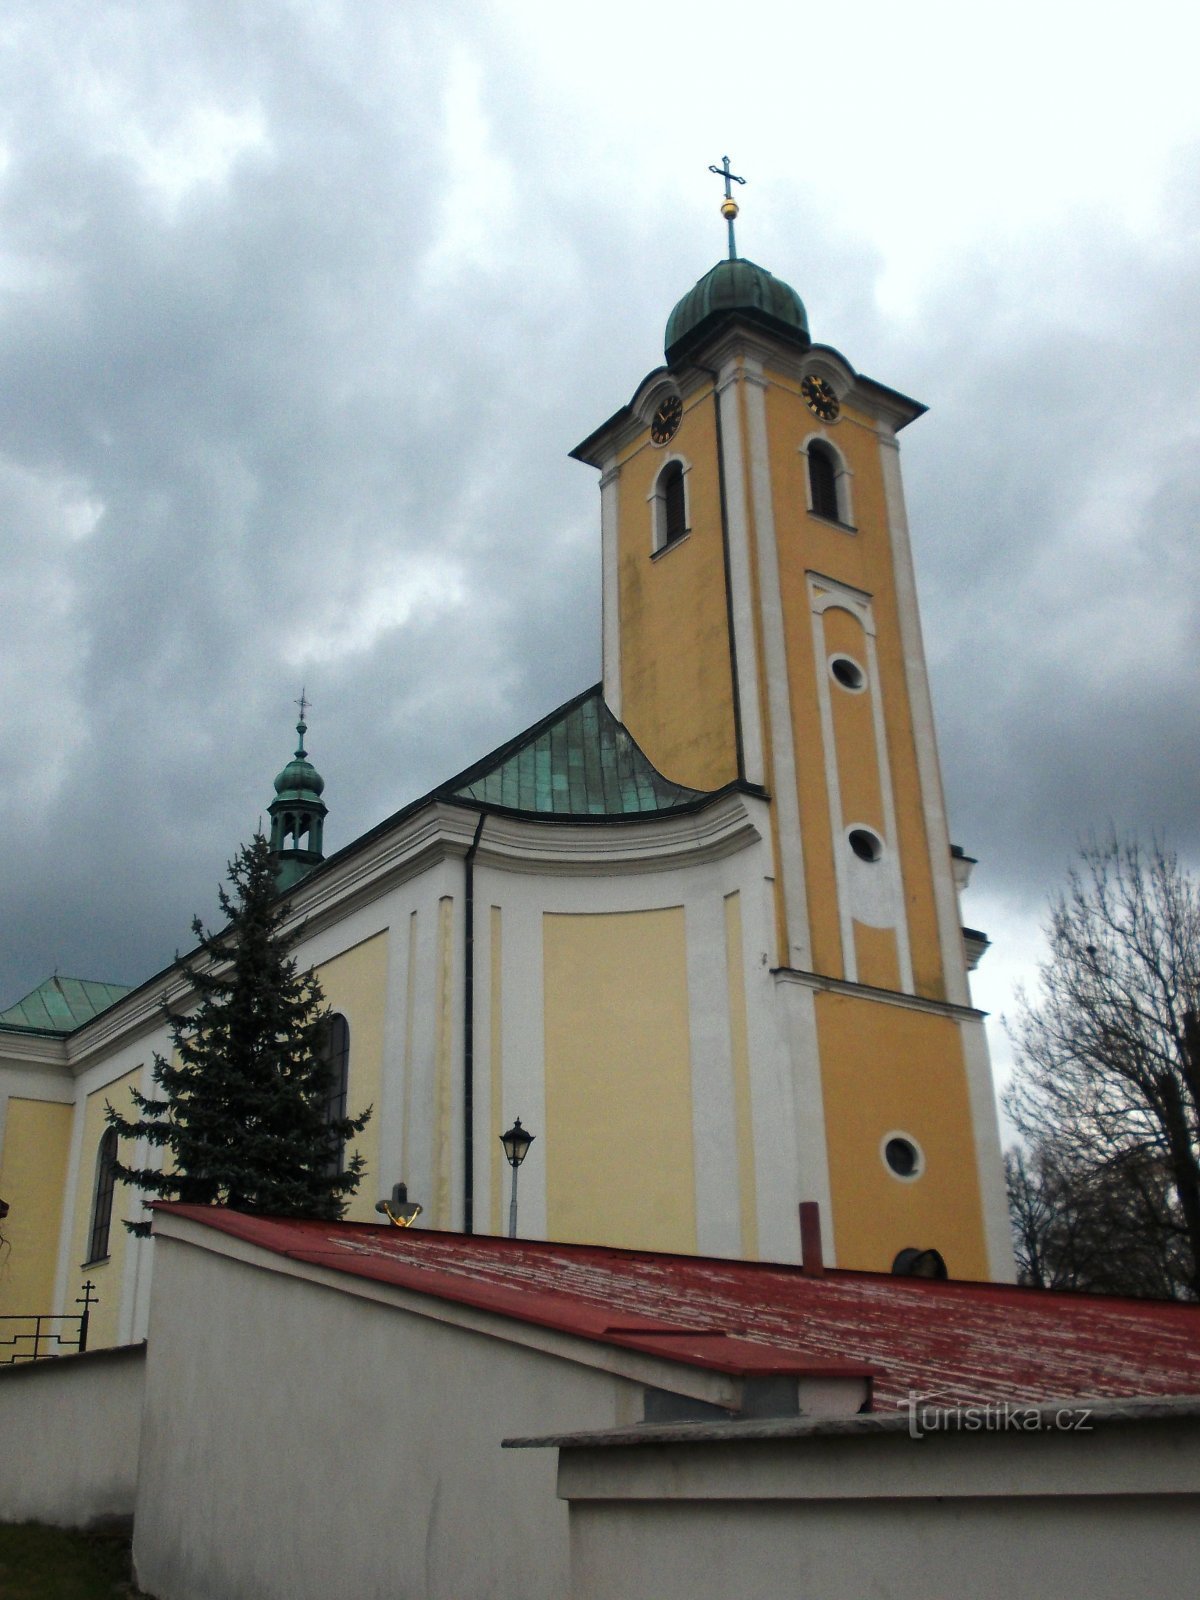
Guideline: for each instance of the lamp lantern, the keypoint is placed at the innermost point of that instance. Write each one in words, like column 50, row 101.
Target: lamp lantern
column 516, row 1144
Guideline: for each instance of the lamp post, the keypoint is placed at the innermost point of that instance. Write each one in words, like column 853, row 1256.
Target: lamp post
column 516, row 1143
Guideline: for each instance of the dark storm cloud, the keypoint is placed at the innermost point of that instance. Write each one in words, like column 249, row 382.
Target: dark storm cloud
column 1055, row 492
column 301, row 309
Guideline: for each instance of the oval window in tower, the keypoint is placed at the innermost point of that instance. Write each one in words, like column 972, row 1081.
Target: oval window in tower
column 866, row 844
column 902, row 1156
column 846, row 671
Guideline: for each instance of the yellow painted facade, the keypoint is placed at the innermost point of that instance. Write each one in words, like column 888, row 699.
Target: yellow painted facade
column 672, row 604
column 890, row 1070
column 33, row 1180
column 355, row 984
column 618, row 1139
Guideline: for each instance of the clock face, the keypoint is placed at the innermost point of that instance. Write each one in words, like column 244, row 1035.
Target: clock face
column 666, row 420
column 820, row 398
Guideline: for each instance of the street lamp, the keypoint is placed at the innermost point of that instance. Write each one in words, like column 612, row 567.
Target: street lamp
column 516, row 1144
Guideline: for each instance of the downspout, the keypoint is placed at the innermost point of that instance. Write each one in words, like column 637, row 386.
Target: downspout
column 469, row 1030
column 733, row 661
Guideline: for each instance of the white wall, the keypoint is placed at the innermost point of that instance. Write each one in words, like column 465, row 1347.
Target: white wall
column 1112, row 1512
column 69, row 1437
column 300, row 1442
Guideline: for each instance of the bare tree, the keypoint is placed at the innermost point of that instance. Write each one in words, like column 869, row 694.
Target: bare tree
column 1107, row 1089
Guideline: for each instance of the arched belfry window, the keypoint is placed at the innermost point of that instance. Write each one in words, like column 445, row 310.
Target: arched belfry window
column 102, row 1201
column 669, row 505
column 823, row 482
column 337, row 1057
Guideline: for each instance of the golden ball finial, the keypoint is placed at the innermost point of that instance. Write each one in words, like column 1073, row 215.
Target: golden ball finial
column 729, row 208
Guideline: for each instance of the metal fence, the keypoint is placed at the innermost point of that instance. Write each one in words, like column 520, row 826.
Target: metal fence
column 39, row 1336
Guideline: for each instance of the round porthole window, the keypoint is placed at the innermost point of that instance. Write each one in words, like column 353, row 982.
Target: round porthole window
column 867, row 846
column 846, row 671
column 902, row 1156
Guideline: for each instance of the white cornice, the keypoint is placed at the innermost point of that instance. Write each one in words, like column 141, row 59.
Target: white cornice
column 864, row 991
column 437, row 832
column 39, row 1051
column 721, row 828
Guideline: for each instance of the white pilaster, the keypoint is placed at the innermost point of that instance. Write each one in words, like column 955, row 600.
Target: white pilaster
column 741, row 589
column 782, row 783
column 989, row 1160
column 921, row 708
column 610, row 592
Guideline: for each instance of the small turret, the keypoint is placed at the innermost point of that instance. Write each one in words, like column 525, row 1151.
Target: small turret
column 297, row 814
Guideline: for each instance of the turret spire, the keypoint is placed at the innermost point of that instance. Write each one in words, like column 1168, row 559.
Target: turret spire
column 729, row 206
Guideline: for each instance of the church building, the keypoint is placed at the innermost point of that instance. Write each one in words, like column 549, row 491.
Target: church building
column 698, row 928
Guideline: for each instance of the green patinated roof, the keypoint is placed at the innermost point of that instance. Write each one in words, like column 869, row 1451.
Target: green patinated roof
column 739, row 286
column 60, row 1005
column 577, row 762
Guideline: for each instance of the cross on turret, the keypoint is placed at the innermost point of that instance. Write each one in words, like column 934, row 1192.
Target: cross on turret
column 729, row 206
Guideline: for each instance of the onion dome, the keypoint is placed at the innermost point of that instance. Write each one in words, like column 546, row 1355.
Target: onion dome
column 300, row 779
column 736, row 288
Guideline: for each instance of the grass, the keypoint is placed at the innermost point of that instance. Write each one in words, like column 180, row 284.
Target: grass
column 39, row 1563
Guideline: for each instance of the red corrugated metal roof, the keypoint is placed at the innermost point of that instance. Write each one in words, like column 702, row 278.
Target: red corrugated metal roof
column 950, row 1343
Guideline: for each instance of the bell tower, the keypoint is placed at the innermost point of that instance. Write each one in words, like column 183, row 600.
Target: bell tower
column 297, row 814
column 760, row 624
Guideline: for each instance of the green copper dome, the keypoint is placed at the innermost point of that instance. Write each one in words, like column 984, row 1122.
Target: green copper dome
column 742, row 287
column 299, row 780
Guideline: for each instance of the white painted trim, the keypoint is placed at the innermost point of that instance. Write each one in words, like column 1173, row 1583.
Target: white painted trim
column 838, row 596
column 716, row 1177
column 782, row 782
column 989, row 1160
column 891, row 997
column 903, row 942
column 741, row 588
column 833, row 791
column 798, row 1017
column 907, row 1138
column 610, row 587
column 924, row 738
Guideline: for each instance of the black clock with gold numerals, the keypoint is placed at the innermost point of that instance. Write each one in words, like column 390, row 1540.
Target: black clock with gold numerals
column 820, row 398
column 666, row 420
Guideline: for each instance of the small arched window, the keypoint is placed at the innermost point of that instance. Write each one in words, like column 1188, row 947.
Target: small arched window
column 102, row 1201
column 822, row 482
column 668, row 501
column 674, row 503
column 337, row 1059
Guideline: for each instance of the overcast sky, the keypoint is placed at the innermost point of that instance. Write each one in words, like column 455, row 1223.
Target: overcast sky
column 302, row 306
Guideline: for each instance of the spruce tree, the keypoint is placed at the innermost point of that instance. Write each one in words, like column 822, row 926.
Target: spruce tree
column 243, row 1111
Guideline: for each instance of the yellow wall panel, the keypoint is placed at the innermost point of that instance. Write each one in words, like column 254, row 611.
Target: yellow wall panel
column 885, row 1069
column 676, row 684
column 355, row 983
column 618, row 1144
column 877, row 956
column 33, row 1179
